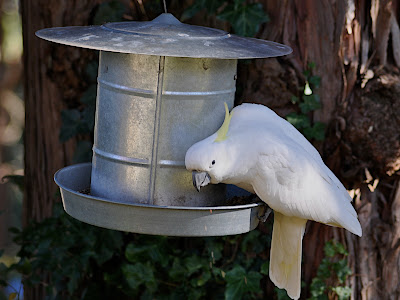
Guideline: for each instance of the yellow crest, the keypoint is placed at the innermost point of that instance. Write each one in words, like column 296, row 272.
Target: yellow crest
column 223, row 130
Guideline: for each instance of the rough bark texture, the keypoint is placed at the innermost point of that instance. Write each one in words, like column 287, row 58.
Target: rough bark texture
column 53, row 79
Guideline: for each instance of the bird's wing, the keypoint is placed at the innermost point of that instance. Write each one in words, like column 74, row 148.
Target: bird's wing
column 292, row 182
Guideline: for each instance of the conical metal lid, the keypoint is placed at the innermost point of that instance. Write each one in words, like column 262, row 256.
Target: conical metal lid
column 164, row 36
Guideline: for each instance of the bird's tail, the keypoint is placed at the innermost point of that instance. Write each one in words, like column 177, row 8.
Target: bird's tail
column 286, row 249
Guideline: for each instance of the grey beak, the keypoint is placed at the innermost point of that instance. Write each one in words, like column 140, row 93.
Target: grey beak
column 200, row 179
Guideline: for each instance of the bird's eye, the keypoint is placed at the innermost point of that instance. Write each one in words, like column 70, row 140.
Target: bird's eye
column 213, row 162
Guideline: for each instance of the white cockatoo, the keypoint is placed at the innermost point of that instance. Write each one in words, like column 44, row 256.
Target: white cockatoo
column 257, row 150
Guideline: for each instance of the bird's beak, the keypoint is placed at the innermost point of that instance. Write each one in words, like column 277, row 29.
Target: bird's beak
column 200, row 179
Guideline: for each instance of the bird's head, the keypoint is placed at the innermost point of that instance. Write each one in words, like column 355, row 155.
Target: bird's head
column 210, row 159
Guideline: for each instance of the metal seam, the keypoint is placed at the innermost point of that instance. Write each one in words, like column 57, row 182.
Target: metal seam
column 150, row 94
column 125, row 89
column 137, row 161
column 154, row 154
column 120, row 158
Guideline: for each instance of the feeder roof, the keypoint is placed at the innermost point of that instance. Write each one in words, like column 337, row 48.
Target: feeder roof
column 164, row 36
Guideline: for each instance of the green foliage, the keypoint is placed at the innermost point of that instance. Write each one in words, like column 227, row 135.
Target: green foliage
column 79, row 121
column 110, row 11
column 245, row 18
column 86, row 262
column 308, row 102
column 332, row 270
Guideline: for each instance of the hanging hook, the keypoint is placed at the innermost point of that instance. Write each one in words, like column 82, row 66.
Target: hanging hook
column 165, row 6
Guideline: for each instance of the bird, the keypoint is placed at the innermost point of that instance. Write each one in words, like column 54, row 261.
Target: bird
column 257, row 150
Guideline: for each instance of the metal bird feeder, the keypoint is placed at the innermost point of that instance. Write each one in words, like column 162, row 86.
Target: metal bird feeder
column 159, row 86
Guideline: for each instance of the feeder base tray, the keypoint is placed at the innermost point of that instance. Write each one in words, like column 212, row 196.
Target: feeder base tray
column 151, row 219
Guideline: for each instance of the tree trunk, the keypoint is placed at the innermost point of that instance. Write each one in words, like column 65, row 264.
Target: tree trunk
column 53, row 81
column 355, row 47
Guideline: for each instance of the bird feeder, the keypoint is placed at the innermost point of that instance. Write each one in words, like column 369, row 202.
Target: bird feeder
column 161, row 88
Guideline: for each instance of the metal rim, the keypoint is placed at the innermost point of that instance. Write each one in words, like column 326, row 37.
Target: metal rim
column 201, row 208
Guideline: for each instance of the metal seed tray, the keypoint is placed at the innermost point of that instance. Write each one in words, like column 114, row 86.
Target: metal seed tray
column 151, row 219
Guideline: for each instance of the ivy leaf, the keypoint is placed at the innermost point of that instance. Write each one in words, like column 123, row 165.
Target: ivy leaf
column 253, row 281
column 317, row 131
column 265, row 268
column 314, row 81
column 210, row 6
column 298, row 121
column 318, row 288
column 111, row 11
column 329, row 249
column 139, row 274
column 193, row 264
column 311, row 102
column 343, row 292
column 240, row 282
column 281, row 294
column 244, row 18
column 89, row 96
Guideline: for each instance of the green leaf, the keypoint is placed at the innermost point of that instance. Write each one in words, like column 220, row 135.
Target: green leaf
column 342, row 270
column 138, row 274
column 240, row 282
column 236, row 285
column 317, row 131
column 298, row 121
column 111, row 11
column 177, row 271
column 343, row 292
column 253, row 281
column 210, row 6
column 317, row 288
column 314, row 81
column 244, row 18
column 265, row 268
column 281, row 294
column 329, row 249
column 311, row 65
column 310, row 103
column 193, row 264
column 89, row 96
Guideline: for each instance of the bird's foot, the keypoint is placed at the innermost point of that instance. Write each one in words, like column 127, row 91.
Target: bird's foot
column 265, row 215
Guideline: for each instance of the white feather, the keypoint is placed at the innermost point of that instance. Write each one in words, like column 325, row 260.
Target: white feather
column 265, row 154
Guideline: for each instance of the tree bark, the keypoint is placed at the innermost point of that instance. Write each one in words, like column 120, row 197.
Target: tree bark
column 53, row 80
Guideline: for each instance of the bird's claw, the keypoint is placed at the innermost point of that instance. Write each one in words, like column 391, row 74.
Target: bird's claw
column 265, row 215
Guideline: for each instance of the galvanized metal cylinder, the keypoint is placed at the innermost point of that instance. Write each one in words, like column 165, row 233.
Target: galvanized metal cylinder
column 150, row 110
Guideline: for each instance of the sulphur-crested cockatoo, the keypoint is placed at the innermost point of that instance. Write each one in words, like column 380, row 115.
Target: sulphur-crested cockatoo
column 257, row 150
